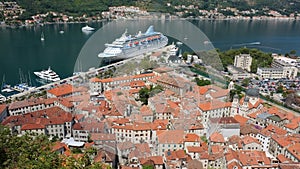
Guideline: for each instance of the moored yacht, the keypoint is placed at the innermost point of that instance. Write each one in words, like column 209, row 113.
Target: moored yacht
column 87, row 28
column 48, row 75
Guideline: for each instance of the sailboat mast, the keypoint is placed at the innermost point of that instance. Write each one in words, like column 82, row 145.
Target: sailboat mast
column 29, row 79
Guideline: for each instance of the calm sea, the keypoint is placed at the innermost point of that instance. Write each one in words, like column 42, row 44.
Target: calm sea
column 22, row 52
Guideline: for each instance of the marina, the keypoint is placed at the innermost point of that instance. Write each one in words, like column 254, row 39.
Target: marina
column 77, row 77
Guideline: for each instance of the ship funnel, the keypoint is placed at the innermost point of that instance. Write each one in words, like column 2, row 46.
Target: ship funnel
column 150, row 30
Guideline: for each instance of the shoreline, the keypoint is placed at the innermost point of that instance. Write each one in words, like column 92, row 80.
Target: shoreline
column 4, row 25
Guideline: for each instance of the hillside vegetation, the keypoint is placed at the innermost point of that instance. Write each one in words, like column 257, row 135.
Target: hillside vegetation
column 92, row 7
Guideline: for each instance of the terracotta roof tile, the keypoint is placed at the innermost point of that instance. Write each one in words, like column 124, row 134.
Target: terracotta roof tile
column 251, row 158
column 32, row 126
column 275, row 129
column 2, row 108
column 249, row 140
column 26, row 103
column 215, row 149
column 146, row 111
column 242, row 120
column 95, row 80
column 170, row 136
column 217, row 138
column 295, row 150
column 157, row 160
column 195, row 149
column 50, row 116
column 176, row 155
column 137, row 84
column 292, row 126
column 214, row 104
column 102, row 137
column 61, row 90
column 125, row 145
column 283, row 159
column 192, row 138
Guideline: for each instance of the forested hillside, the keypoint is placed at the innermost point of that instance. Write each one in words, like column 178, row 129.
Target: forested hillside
column 91, row 7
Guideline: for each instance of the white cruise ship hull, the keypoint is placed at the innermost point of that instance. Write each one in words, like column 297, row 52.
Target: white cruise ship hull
column 135, row 51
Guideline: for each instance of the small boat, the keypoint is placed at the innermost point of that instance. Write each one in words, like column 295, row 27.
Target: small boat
column 42, row 36
column 22, row 87
column 206, row 42
column 6, row 88
column 61, row 32
column 87, row 28
column 179, row 43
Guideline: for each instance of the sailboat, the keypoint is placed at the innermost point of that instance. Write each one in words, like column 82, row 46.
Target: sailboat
column 5, row 87
column 42, row 36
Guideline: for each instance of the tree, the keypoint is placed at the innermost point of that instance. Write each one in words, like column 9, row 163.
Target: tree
column 293, row 52
column 279, row 89
column 148, row 167
column 27, row 151
column 246, row 82
column 35, row 151
column 144, row 95
column 202, row 82
column 284, row 94
column 184, row 55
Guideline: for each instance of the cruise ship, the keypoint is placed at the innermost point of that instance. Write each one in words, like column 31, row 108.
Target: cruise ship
column 128, row 46
column 48, row 75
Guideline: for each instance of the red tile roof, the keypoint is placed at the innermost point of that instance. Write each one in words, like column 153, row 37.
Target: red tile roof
column 249, row 140
column 224, row 120
column 61, row 90
column 157, row 160
column 176, row 155
column 32, row 126
column 143, row 126
column 192, row 138
column 295, row 150
column 283, row 159
column 137, row 84
column 50, row 116
column 250, row 158
column 95, row 80
column 2, row 108
column 292, row 126
column 242, row 120
column 214, row 104
column 195, row 149
column 216, row 149
column 170, row 136
column 102, row 137
column 146, row 111
column 217, row 138
column 65, row 102
column 25, row 103
column 275, row 129
column 77, row 126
